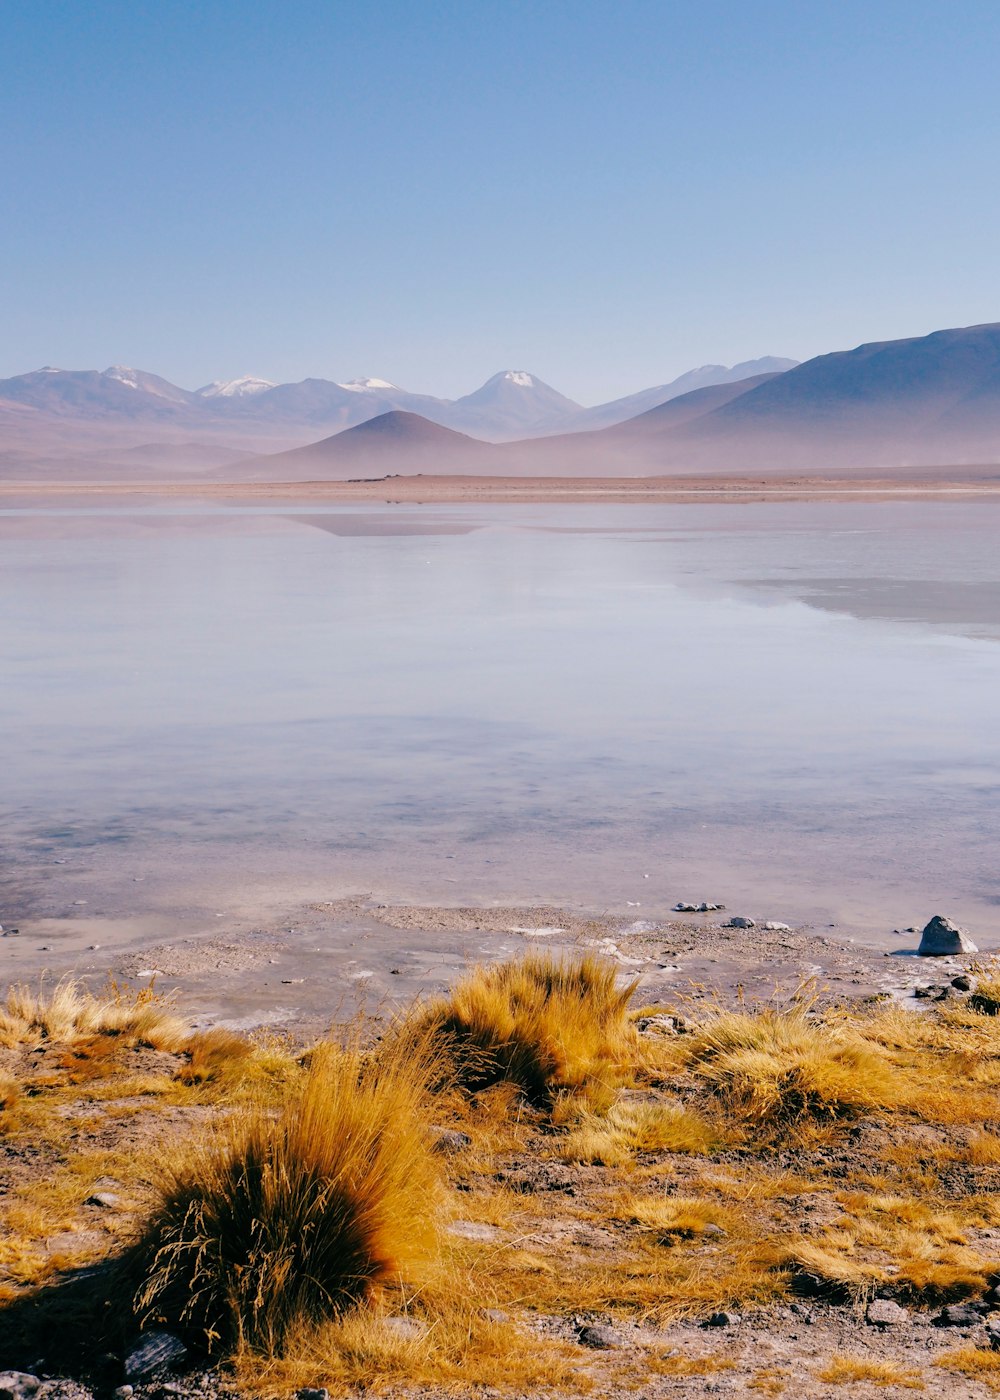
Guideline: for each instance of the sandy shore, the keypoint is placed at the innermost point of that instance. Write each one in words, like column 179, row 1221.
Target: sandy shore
column 309, row 965
column 918, row 484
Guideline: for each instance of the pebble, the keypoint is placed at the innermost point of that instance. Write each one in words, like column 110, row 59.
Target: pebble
column 599, row 1336
column 107, row 1199
column 123, row 1392
column 449, row 1140
column 406, row 1328
column 740, row 921
column 157, row 1351
column 958, row 1315
column 313, row 1393
column 883, row 1312
column 723, row 1319
column 773, row 926
column 18, row 1385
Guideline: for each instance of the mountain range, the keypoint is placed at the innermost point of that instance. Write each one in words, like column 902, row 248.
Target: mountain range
column 511, row 405
column 928, row 402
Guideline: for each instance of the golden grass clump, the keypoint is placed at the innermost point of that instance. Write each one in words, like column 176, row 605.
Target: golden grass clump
column 283, row 1222
column 554, row 1026
column 629, row 1127
column 69, row 1013
column 978, row 1363
column 849, row 1370
column 774, row 1067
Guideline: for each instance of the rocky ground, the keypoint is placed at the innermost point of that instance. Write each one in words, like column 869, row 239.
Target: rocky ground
column 529, row 1222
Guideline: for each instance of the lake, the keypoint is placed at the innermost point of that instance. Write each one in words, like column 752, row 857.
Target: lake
column 791, row 707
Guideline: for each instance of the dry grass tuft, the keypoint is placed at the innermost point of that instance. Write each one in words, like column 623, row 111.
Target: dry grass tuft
column 849, row 1370
column 773, row 1067
column 978, row 1363
column 555, row 1027
column 69, row 1014
column 634, row 1126
column 213, row 1054
column 283, row 1222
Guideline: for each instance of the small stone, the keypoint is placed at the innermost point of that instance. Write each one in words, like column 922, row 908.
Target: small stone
column 684, row 907
column 599, row 1336
column 706, row 908
column 496, row 1315
column 714, row 1231
column 473, row 1230
column 309, row 1392
column 962, row 983
column 18, row 1385
column 942, row 938
column 723, row 1319
column 958, row 1315
column 107, row 1199
column 123, row 1392
column 407, row 1329
column 993, row 1332
column 773, row 926
column 883, row 1312
column 658, row 1025
column 739, row 921
column 156, row 1352
column 985, row 1005
column 450, row 1140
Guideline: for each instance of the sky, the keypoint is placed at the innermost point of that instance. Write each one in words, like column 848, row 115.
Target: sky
column 603, row 192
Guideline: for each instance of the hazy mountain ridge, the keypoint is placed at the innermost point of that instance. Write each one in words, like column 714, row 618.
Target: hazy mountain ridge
column 510, row 405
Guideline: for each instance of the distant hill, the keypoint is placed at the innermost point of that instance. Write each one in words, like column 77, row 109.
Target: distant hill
column 620, row 410
column 392, row 443
column 512, row 404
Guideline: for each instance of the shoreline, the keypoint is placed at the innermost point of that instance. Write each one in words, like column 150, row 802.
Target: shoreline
column 422, row 489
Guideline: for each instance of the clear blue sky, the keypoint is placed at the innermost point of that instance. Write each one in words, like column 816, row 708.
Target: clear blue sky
column 605, row 192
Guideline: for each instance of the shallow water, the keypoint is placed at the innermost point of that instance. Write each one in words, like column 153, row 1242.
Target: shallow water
column 791, row 707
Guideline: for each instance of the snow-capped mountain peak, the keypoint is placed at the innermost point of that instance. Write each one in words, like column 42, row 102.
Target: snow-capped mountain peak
column 123, row 374
column 519, row 377
column 241, row 388
column 366, row 386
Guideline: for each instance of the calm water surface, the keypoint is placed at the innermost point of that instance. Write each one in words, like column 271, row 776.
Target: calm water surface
column 791, row 707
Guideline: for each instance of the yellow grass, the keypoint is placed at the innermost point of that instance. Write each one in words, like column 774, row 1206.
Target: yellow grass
column 275, row 1224
column 978, row 1363
column 775, row 1066
column 554, row 1026
column 850, row 1370
column 632, row 1126
column 69, row 1013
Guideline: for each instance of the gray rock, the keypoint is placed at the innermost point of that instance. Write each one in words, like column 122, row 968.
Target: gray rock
column 473, row 1230
column 599, row 1336
column 993, row 1332
column 773, row 926
column 706, row 908
column 407, row 1329
column 107, row 1199
column 985, row 1005
column 723, row 1319
column 931, row 993
column 739, row 921
column 449, row 1140
column 883, row 1312
column 942, row 938
column 959, row 1315
column 123, row 1392
column 660, row 1024
column 309, row 1392
column 962, row 983
column 496, row 1315
column 18, row 1385
column 684, row 907
column 158, row 1351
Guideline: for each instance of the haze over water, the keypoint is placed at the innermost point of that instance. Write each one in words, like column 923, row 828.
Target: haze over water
column 789, row 707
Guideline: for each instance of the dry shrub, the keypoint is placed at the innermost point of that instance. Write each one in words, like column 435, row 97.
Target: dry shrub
column 672, row 1218
column 978, row 1363
column 632, row 1126
column 772, row 1067
column 10, row 1092
column 848, row 1370
column 554, row 1026
column 213, row 1054
column 70, row 1013
column 283, row 1222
